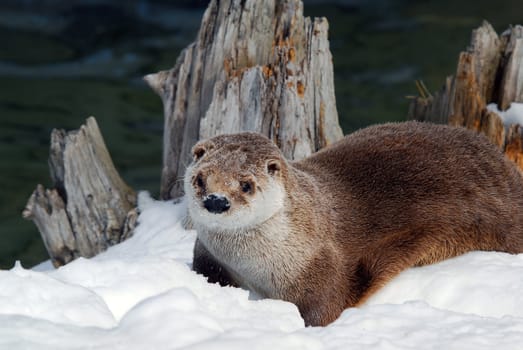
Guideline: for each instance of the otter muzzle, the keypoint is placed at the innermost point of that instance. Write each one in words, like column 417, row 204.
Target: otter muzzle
column 216, row 204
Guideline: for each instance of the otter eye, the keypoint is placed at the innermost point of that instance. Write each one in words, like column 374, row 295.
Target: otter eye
column 246, row 186
column 199, row 181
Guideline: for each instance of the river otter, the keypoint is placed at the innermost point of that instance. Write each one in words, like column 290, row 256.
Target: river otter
column 327, row 231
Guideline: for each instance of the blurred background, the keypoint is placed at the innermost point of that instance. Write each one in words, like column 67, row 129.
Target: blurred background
column 62, row 61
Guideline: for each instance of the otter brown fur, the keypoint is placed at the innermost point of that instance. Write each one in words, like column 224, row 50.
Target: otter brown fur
column 328, row 231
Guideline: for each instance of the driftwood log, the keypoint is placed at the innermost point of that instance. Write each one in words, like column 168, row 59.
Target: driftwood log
column 90, row 207
column 489, row 71
column 255, row 66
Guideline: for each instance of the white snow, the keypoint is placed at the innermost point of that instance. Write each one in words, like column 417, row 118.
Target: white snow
column 513, row 115
column 142, row 294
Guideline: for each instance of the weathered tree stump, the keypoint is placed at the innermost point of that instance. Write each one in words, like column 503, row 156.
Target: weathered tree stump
column 90, row 207
column 255, row 66
column 489, row 71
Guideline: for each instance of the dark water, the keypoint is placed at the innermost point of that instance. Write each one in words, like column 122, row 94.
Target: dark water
column 61, row 62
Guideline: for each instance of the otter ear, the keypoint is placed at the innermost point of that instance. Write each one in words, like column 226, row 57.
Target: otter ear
column 199, row 150
column 273, row 166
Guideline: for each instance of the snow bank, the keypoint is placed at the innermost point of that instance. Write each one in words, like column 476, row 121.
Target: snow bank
column 513, row 115
column 142, row 294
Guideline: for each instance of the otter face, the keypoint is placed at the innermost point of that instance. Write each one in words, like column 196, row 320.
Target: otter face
column 234, row 182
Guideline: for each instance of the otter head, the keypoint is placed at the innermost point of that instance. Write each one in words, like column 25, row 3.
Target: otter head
column 235, row 182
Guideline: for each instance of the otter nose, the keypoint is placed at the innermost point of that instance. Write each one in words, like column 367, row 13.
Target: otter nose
column 216, row 204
